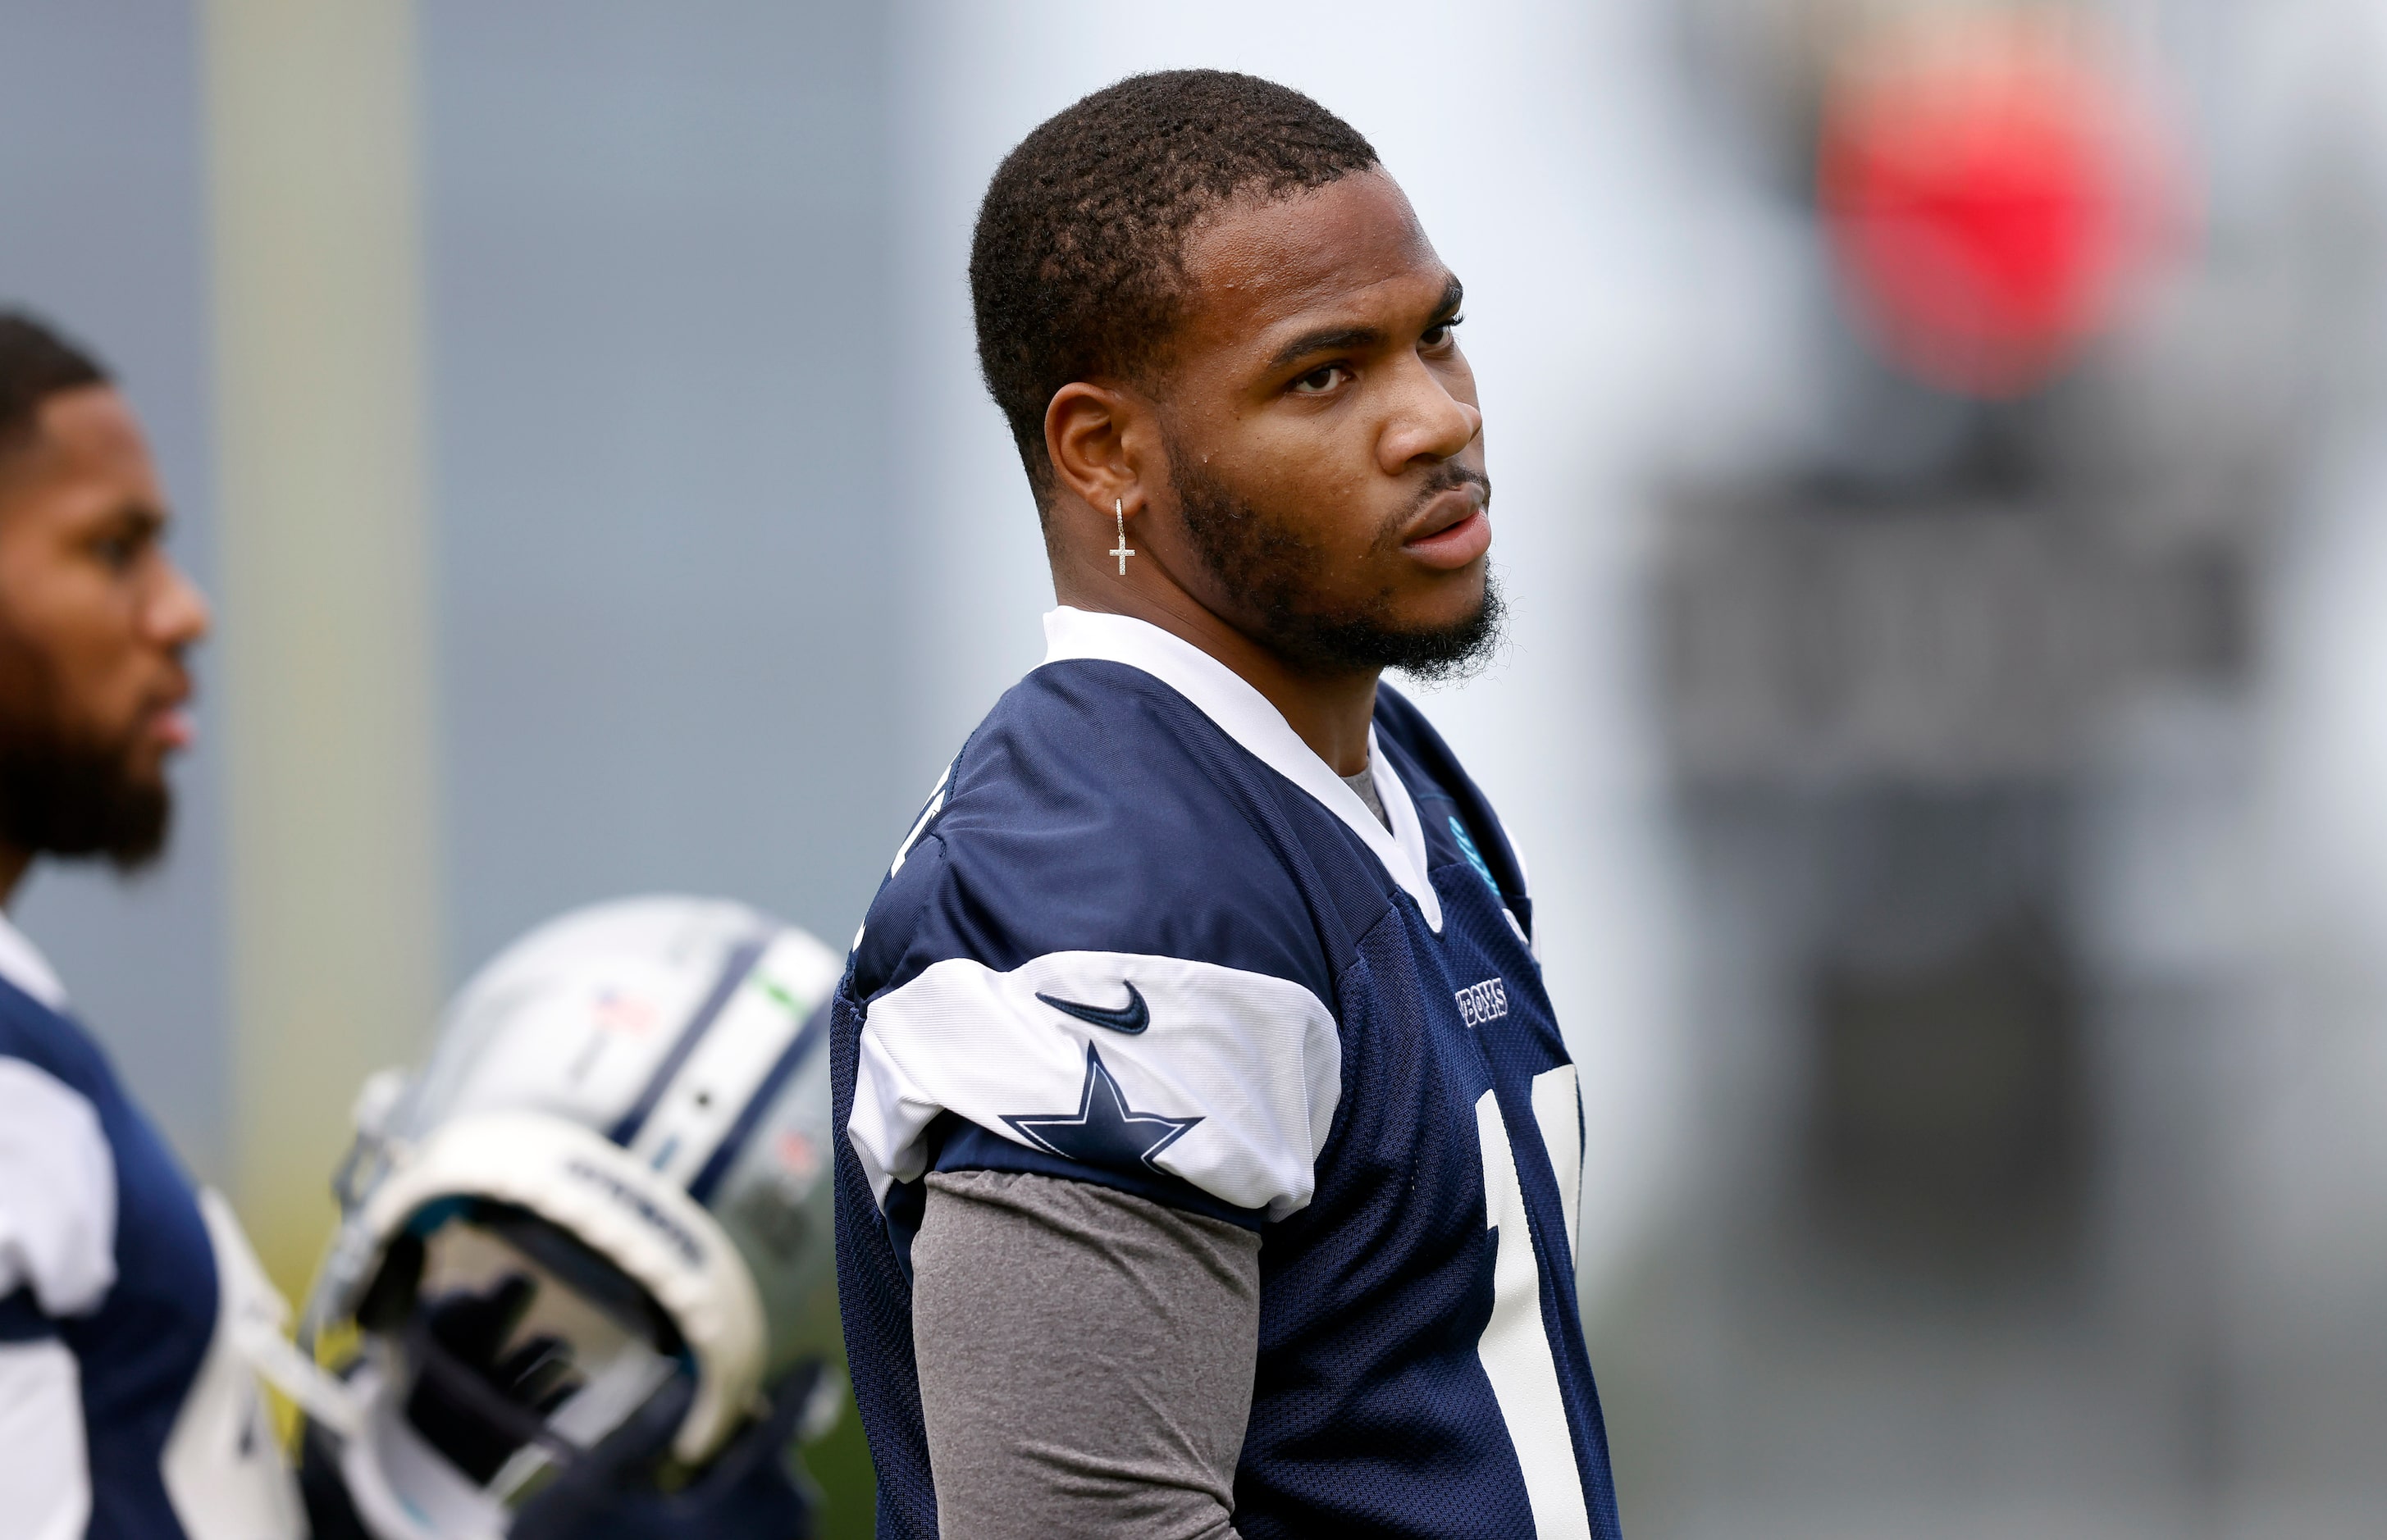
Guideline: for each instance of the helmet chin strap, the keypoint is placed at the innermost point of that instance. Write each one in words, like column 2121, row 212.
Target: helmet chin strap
column 256, row 1319
column 313, row 1388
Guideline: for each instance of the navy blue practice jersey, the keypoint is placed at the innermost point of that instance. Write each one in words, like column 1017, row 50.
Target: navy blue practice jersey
column 1143, row 935
column 127, row 1405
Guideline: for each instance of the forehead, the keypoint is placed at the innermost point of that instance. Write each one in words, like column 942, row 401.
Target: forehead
column 1346, row 253
column 87, row 447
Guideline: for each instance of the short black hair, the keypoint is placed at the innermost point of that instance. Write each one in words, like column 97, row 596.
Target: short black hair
column 1076, row 266
column 35, row 364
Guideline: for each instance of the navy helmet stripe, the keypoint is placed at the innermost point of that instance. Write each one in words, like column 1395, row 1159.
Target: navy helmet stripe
column 717, row 1166
column 733, row 973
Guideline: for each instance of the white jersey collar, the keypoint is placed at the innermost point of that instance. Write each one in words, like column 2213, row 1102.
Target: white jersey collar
column 21, row 964
column 1246, row 715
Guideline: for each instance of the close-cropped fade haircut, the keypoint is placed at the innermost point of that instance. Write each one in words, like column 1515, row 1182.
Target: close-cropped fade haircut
column 1077, row 266
column 35, row 364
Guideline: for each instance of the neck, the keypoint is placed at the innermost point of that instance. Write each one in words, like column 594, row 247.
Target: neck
column 13, row 866
column 1329, row 712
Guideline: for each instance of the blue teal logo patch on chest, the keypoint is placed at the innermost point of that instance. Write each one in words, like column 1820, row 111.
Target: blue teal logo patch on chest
column 1474, row 857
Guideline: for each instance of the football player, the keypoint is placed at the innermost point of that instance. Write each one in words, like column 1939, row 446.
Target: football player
column 127, row 1410
column 1211, row 1153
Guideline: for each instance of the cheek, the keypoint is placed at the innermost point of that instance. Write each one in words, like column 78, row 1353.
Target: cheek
column 83, row 630
column 1313, row 471
column 1344, row 513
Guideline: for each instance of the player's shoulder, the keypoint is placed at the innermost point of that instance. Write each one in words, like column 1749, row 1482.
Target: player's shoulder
column 58, row 1169
column 1089, row 961
column 37, row 1032
column 1094, row 810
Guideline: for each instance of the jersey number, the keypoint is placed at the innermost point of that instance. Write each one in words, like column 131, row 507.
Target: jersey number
column 1515, row 1347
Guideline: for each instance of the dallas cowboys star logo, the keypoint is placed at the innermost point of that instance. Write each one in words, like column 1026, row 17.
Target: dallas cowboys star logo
column 1105, row 1131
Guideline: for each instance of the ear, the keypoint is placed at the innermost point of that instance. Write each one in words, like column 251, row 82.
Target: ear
column 1103, row 444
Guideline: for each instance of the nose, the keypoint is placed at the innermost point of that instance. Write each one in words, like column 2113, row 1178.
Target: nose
column 178, row 614
column 1428, row 422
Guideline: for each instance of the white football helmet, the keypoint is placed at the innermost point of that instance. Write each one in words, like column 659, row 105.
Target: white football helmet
column 613, row 1170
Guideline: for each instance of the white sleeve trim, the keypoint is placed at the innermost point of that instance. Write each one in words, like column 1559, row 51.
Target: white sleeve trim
column 21, row 964
column 1257, row 1059
column 58, row 1194
column 45, row 1476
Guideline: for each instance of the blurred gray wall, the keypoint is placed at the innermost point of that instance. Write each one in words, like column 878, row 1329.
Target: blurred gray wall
column 670, row 560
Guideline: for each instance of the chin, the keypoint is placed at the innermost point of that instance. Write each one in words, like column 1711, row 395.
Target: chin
column 1454, row 600
column 144, row 770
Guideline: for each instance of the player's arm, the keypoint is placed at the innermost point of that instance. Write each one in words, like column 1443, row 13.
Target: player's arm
column 1088, row 1073
column 58, row 1229
column 1085, row 1359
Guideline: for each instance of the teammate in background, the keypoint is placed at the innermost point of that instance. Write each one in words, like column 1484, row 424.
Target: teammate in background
column 125, row 1412
column 1212, row 1156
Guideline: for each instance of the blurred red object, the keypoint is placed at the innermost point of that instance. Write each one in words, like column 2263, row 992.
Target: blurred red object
column 1990, row 193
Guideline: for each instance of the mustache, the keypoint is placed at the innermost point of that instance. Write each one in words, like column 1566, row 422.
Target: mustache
column 180, row 686
column 1445, row 477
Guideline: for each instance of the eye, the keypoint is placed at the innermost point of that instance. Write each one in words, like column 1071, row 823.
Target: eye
column 1440, row 333
column 120, row 545
column 1318, row 382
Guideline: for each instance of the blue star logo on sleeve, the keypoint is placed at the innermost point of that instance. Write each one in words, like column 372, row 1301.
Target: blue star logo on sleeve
column 1105, row 1131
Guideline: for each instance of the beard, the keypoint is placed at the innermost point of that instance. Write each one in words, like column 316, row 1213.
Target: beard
column 1277, row 575
column 65, row 795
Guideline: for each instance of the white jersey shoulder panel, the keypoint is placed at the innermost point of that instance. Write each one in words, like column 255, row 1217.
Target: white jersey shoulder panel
column 1256, row 1059
column 45, row 1474
column 58, row 1194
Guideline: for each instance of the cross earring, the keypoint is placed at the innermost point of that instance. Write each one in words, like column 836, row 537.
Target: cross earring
column 1118, row 508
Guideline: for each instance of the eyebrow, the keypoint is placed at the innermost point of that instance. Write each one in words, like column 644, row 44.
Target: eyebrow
column 1335, row 339
column 1331, row 340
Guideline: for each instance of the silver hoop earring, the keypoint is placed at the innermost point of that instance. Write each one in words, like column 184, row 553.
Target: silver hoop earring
column 1118, row 508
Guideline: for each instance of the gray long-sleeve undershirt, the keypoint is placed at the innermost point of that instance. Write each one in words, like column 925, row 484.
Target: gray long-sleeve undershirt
column 1085, row 1359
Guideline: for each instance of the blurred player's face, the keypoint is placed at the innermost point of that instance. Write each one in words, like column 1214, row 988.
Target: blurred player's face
column 1324, row 444
column 94, row 621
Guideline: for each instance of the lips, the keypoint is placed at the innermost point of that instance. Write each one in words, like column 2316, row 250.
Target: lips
column 1453, row 529
column 173, row 727
column 169, row 718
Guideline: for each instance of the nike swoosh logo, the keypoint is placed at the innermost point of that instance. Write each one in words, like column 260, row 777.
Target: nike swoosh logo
column 1130, row 1019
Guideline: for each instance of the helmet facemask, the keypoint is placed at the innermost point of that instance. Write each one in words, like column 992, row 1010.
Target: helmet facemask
column 601, row 1209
